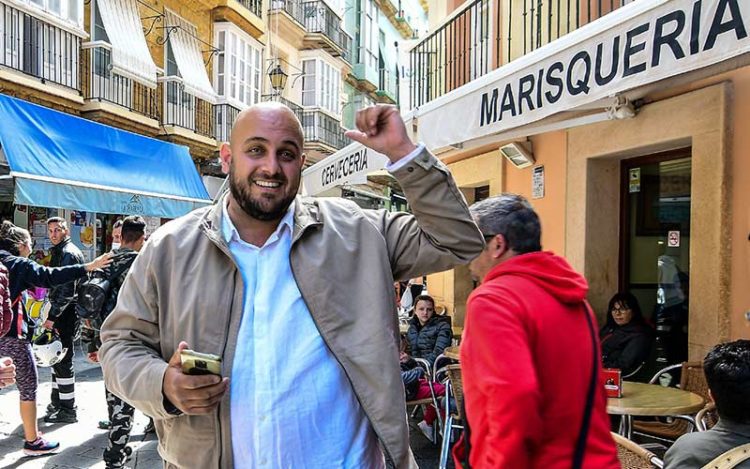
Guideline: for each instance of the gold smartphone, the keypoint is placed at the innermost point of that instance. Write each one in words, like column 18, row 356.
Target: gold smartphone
column 196, row 363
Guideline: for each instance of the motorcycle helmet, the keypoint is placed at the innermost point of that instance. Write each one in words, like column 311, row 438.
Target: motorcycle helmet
column 48, row 349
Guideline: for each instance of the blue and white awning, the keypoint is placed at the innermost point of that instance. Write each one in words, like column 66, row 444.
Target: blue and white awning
column 64, row 161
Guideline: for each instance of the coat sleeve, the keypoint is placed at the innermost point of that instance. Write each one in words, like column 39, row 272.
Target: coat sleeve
column 133, row 368
column 510, row 385
column 37, row 275
column 440, row 233
column 442, row 340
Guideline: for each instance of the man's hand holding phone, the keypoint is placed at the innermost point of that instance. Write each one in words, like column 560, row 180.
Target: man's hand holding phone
column 192, row 394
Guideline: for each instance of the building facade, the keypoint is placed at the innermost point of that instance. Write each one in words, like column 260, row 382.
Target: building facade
column 622, row 123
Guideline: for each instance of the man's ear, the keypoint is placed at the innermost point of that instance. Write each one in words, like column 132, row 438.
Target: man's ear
column 225, row 155
column 498, row 246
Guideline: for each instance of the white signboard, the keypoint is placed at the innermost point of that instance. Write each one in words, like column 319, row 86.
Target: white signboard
column 640, row 43
column 537, row 182
column 348, row 165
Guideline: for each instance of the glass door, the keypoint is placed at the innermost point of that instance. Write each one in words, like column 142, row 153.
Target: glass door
column 655, row 247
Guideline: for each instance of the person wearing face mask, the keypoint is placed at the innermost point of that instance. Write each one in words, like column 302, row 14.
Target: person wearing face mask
column 625, row 338
column 15, row 247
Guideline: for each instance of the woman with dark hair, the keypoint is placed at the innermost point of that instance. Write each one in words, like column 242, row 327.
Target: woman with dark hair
column 625, row 338
column 15, row 246
column 428, row 336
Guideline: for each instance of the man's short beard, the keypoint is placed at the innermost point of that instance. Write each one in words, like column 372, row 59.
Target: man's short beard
column 251, row 206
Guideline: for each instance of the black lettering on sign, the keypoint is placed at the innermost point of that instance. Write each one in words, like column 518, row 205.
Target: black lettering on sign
column 670, row 39
column 600, row 79
column 582, row 85
column 509, row 103
column 631, row 49
column 557, row 82
column 695, row 28
column 525, row 89
column 718, row 26
column 488, row 112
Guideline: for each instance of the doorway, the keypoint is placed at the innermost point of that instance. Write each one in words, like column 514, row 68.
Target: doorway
column 655, row 247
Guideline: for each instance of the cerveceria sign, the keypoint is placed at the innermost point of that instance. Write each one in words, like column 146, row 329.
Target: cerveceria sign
column 348, row 165
column 641, row 43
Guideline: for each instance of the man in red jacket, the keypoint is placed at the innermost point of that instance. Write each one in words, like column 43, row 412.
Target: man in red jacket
column 530, row 358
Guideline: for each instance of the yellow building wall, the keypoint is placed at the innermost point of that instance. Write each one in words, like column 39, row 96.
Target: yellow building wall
column 452, row 287
column 740, row 302
column 550, row 151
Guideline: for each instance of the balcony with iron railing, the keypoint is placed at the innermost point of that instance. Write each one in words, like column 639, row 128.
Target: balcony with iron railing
column 324, row 29
column 100, row 84
column 184, row 110
column 387, row 85
column 320, row 127
column 224, row 117
column 255, row 6
column 292, row 8
column 486, row 34
column 39, row 49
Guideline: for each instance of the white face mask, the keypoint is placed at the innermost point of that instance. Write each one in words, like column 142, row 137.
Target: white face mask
column 115, row 245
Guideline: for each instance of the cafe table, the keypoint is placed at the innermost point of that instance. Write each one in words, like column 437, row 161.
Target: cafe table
column 652, row 400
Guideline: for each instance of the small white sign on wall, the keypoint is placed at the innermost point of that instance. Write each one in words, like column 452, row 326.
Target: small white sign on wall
column 537, row 182
column 673, row 239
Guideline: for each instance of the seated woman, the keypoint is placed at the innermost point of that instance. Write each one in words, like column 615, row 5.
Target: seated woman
column 428, row 336
column 625, row 338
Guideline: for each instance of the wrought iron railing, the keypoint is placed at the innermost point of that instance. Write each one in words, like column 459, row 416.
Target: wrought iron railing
column 39, row 49
column 320, row 127
column 225, row 115
column 182, row 109
column 255, row 6
column 319, row 18
column 387, row 82
column 101, row 84
column 292, row 7
column 482, row 37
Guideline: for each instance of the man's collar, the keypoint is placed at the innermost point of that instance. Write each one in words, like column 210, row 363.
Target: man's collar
column 229, row 231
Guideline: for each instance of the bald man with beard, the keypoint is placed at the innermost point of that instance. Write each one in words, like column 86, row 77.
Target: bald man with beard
column 295, row 295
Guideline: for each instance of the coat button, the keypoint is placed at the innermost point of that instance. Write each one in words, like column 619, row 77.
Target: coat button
column 410, row 169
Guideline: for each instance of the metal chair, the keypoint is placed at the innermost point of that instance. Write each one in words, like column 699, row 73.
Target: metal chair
column 453, row 420
column 707, row 417
column 432, row 400
column 693, row 380
column 633, row 456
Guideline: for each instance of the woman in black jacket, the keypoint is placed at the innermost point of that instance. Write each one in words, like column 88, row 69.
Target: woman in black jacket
column 15, row 246
column 625, row 338
column 428, row 336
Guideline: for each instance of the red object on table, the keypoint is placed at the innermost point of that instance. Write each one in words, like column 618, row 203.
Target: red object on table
column 612, row 382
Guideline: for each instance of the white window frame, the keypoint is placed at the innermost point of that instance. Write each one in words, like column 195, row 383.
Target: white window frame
column 238, row 77
column 327, row 93
column 110, row 86
column 369, row 35
column 60, row 12
column 52, row 59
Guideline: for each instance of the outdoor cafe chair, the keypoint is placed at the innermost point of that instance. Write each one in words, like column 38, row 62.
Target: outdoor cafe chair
column 432, row 400
column 707, row 417
column 453, row 420
column 692, row 379
column 633, row 456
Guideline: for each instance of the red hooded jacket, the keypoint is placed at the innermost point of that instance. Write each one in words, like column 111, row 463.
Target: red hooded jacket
column 526, row 363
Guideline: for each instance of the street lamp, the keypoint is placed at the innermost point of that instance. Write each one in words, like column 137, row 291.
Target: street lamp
column 278, row 78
